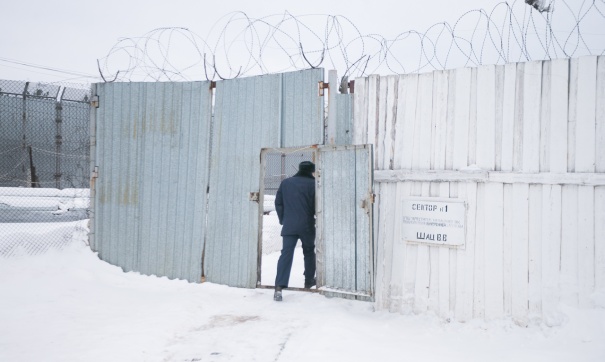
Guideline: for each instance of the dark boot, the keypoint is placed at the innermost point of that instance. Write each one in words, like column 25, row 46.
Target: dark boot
column 310, row 282
column 277, row 295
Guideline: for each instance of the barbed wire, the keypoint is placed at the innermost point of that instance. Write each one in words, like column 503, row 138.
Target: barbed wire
column 239, row 45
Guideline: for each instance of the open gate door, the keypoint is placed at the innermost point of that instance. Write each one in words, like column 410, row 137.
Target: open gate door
column 345, row 266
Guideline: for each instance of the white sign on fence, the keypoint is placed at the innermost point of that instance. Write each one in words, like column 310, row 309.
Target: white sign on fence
column 434, row 220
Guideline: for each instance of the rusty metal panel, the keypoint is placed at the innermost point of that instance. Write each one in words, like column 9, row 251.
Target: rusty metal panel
column 271, row 111
column 303, row 108
column 151, row 151
column 344, row 245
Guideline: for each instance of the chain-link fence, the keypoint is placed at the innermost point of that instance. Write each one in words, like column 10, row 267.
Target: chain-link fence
column 44, row 165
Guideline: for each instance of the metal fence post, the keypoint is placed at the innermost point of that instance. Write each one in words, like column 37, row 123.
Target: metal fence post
column 58, row 137
column 93, row 166
column 27, row 175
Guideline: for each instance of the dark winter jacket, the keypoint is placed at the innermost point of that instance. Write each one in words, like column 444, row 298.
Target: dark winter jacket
column 295, row 204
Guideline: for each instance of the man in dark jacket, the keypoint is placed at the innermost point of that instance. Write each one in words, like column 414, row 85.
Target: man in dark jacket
column 295, row 206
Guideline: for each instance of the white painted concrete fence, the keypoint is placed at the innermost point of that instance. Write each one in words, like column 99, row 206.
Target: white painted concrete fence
column 535, row 223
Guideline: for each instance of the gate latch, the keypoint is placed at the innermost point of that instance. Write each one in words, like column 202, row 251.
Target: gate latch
column 254, row 196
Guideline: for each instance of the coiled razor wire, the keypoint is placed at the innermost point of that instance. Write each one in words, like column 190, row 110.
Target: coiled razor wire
column 239, row 45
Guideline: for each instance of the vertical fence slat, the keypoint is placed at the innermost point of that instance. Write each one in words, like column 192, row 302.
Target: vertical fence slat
column 388, row 228
column 421, row 152
column 494, row 275
column 408, row 111
column 586, row 244
column 599, row 234
column 479, row 257
column 600, row 117
column 382, row 139
column 466, row 256
column 486, row 116
column 381, row 254
column 439, row 123
column 532, row 86
column 586, row 107
column 444, row 265
column 518, row 118
column 472, row 122
column 545, row 117
column 551, row 249
column 572, row 114
column 422, row 283
column 398, row 292
column 507, row 235
column 400, row 129
column 372, row 120
column 508, row 116
column 451, row 121
column 388, row 97
column 360, row 112
column 499, row 128
column 519, row 253
column 421, row 286
column 569, row 248
column 434, row 286
column 559, row 87
column 535, row 250
column 461, row 115
column 409, row 276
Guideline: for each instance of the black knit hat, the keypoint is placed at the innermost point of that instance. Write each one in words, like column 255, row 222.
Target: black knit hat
column 306, row 166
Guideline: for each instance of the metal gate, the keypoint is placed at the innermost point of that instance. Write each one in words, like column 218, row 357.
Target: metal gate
column 271, row 111
column 344, row 216
column 163, row 201
column 150, row 158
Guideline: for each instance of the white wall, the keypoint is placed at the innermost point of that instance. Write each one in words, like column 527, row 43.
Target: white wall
column 535, row 211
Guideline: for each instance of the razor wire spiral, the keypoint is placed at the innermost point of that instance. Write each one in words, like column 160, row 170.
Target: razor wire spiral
column 239, row 45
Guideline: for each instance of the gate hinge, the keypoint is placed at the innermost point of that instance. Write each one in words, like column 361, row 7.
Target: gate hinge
column 95, row 172
column 254, row 196
column 367, row 203
column 95, row 101
column 322, row 86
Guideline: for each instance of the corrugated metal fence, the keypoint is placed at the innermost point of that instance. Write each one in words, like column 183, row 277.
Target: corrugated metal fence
column 535, row 234
column 272, row 111
column 151, row 174
column 157, row 162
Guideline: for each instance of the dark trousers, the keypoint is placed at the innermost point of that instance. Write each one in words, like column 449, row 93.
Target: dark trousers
column 284, row 265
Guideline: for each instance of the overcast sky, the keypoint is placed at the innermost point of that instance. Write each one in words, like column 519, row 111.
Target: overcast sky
column 70, row 35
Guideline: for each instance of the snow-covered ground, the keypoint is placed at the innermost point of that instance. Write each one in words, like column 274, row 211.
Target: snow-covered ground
column 59, row 302
column 67, row 305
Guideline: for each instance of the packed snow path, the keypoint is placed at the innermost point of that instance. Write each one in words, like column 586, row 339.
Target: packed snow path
column 67, row 305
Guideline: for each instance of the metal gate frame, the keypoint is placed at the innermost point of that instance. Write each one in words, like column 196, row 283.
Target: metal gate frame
column 363, row 232
column 261, row 197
